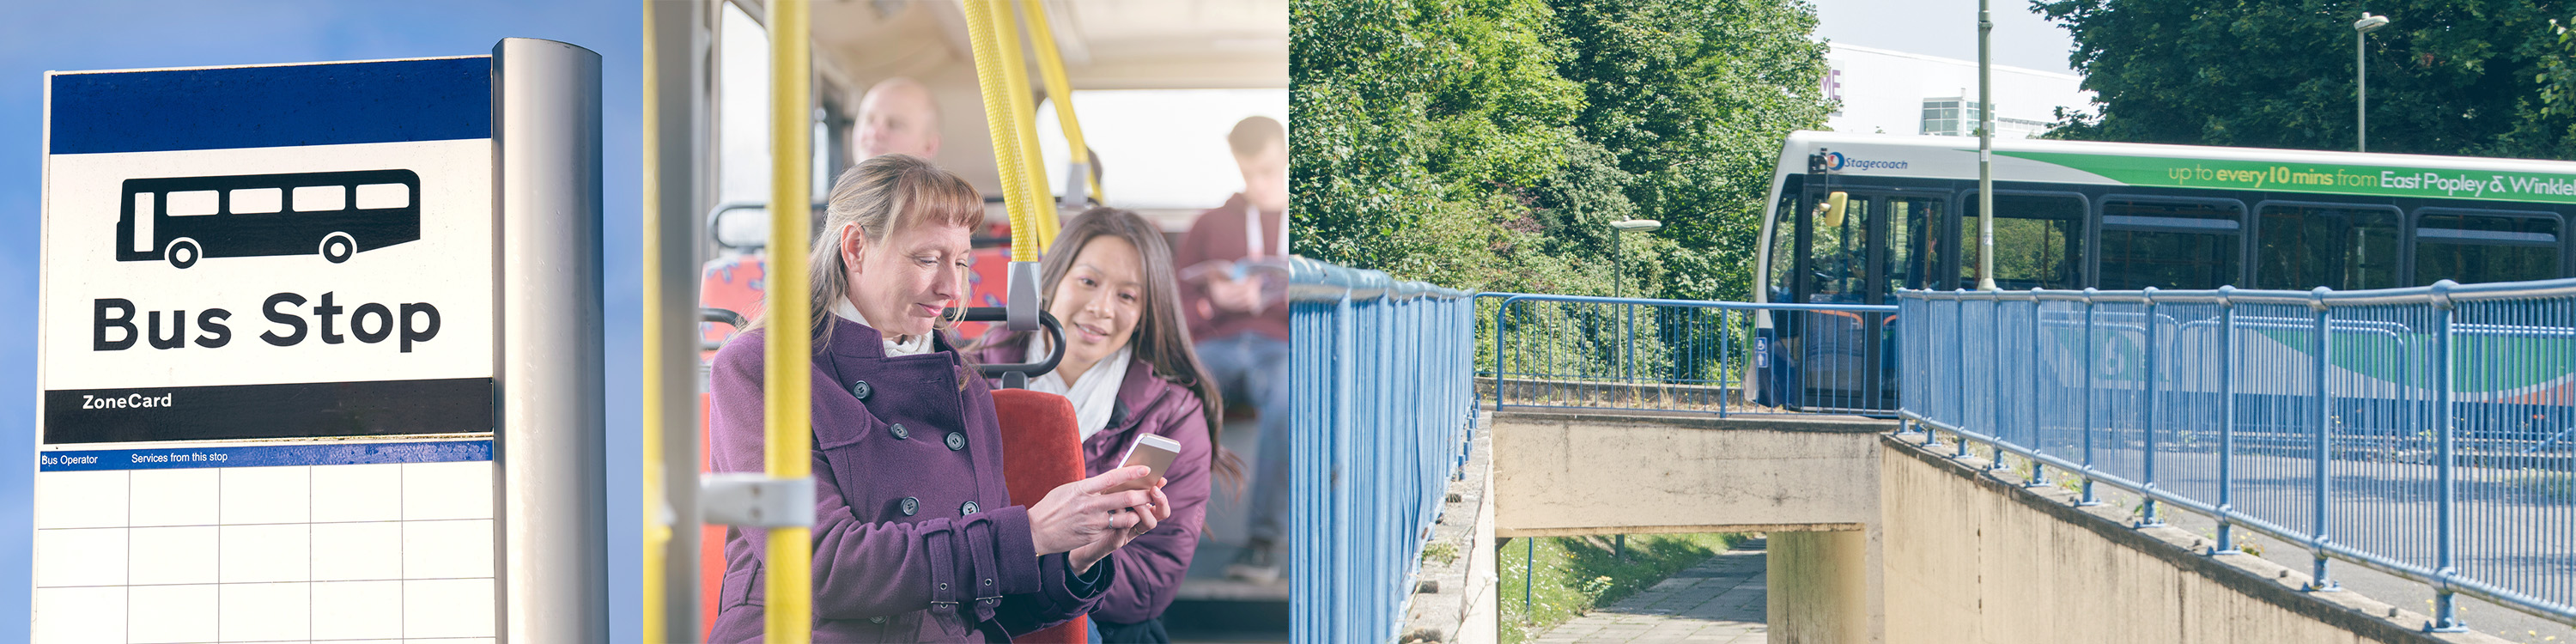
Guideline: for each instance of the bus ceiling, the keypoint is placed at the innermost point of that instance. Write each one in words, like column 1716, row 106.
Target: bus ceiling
column 1140, row 44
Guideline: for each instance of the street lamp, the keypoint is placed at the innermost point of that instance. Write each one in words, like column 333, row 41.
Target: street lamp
column 1628, row 321
column 1619, row 255
column 2361, row 85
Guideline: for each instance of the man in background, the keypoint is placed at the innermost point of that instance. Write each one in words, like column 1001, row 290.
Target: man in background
column 1234, row 299
column 897, row 116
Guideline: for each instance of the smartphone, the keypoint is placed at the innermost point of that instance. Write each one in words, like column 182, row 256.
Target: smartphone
column 1150, row 450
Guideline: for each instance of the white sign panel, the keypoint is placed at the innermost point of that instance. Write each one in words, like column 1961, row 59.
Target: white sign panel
column 268, row 342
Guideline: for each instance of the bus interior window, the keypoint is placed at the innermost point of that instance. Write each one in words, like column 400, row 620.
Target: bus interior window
column 2471, row 246
column 2036, row 241
column 2170, row 245
column 1839, row 251
column 2303, row 246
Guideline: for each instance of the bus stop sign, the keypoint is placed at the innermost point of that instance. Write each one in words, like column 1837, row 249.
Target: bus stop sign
column 272, row 351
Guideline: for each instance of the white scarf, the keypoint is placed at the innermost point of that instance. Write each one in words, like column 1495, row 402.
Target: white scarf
column 919, row 344
column 1094, row 395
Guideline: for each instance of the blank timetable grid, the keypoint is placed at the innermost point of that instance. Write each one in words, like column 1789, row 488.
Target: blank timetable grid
column 339, row 542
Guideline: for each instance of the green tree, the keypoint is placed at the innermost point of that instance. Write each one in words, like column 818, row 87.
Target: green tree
column 1693, row 97
column 1488, row 143
column 2445, row 76
column 1409, row 115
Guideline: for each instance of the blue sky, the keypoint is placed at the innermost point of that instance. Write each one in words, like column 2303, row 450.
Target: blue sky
column 1946, row 28
column 122, row 34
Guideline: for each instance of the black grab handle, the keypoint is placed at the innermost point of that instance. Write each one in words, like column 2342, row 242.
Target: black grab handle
column 1016, row 376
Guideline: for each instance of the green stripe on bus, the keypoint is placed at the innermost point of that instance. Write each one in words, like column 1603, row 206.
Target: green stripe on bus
column 2372, row 180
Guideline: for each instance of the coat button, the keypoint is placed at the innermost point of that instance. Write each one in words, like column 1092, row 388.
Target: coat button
column 956, row 441
column 969, row 508
column 899, row 432
column 911, row 506
column 861, row 389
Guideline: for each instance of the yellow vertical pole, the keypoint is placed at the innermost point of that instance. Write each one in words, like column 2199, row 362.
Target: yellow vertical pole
column 790, row 356
column 657, row 532
column 981, row 36
column 1024, row 121
column 1051, row 67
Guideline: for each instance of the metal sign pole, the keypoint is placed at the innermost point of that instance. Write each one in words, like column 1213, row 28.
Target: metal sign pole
column 553, row 432
column 1985, row 150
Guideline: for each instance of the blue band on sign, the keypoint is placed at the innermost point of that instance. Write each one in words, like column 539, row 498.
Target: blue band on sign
column 263, row 107
column 167, row 458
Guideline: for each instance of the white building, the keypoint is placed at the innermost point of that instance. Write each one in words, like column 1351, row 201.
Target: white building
column 1893, row 92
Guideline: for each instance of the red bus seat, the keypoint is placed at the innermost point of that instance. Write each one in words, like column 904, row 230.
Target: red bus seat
column 1041, row 449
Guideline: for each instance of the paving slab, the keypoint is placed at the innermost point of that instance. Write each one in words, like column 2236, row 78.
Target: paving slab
column 1719, row 600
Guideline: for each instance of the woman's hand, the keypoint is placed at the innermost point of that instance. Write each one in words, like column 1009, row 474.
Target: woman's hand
column 1147, row 516
column 1077, row 514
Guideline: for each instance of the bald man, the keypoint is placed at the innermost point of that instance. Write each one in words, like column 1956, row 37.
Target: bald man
column 897, row 116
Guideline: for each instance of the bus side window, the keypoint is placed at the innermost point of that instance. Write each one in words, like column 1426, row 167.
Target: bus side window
column 191, row 203
column 143, row 217
column 2469, row 246
column 258, row 201
column 2037, row 238
column 383, row 195
column 321, row 198
column 2170, row 245
column 2299, row 247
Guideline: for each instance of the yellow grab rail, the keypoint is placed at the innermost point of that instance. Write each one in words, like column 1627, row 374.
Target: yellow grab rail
column 982, row 34
column 1051, row 67
column 657, row 533
column 789, row 360
column 1024, row 119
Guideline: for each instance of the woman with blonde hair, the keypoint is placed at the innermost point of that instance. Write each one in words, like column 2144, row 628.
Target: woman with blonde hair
column 915, row 539
column 1129, row 370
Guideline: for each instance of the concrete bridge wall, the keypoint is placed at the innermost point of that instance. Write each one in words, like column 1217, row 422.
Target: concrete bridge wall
column 1811, row 483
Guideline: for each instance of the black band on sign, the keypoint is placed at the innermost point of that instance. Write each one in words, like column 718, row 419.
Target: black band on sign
column 304, row 410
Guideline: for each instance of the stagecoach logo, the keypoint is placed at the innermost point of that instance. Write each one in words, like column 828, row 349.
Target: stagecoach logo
column 1836, row 161
column 332, row 214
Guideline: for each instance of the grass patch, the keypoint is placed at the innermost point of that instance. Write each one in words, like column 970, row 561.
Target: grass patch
column 1442, row 553
column 1576, row 574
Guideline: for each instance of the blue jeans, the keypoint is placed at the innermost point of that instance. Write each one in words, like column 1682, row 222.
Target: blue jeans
column 1253, row 368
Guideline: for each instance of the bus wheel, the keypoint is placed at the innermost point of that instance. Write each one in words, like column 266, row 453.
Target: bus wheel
column 183, row 253
column 338, row 247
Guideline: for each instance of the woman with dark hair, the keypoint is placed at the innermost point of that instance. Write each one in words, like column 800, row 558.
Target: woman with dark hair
column 914, row 535
column 1129, row 370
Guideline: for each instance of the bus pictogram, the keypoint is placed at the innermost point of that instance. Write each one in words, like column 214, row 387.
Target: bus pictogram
column 333, row 214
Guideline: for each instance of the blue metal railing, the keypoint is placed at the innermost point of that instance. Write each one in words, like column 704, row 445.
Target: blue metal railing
column 1685, row 355
column 2422, row 432
column 1383, row 379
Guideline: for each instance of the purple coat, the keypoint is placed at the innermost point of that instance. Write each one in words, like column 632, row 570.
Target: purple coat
column 1149, row 568
column 915, row 538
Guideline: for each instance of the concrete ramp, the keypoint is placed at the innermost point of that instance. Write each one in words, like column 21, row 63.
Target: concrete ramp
column 1973, row 557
